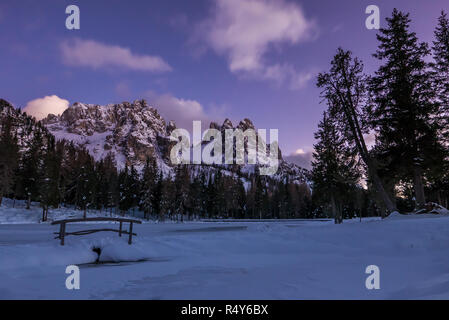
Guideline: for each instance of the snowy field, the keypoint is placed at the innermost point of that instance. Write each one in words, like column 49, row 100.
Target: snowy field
column 235, row 260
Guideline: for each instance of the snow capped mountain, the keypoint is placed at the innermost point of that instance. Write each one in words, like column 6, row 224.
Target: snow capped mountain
column 135, row 131
column 132, row 132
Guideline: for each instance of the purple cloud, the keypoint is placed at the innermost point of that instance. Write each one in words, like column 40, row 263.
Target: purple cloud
column 245, row 30
column 90, row 53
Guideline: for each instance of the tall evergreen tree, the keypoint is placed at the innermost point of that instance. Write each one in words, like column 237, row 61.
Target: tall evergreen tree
column 49, row 179
column 404, row 100
column 344, row 89
column 441, row 69
column 31, row 162
column 9, row 156
column 334, row 168
column 126, row 191
column 182, row 184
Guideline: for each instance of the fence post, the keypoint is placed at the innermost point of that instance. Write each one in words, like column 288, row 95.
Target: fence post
column 130, row 233
column 62, row 233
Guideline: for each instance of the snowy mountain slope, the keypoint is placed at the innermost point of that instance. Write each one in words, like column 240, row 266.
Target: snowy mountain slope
column 23, row 126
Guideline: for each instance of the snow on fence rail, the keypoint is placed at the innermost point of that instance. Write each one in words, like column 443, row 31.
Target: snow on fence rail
column 265, row 220
column 62, row 229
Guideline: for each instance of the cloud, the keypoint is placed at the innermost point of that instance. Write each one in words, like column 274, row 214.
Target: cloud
column 182, row 111
column 302, row 158
column 90, row 53
column 42, row 107
column 300, row 80
column 245, row 30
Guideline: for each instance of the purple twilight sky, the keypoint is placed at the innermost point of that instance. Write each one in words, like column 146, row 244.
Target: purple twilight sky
column 193, row 60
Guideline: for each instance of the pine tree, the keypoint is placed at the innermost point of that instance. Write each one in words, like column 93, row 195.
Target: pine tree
column 152, row 188
column 404, row 100
column 441, row 69
column 168, row 199
column 156, row 198
column 259, row 192
column 9, row 156
column 49, row 179
column 204, row 196
column 101, row 187
column 134, row 188
column 126, row 190
column 84, row 180
column 344, row 89
column 149, row 178
column 211, row 196
column 439, row 173
column 31, row 162
column 334, row 168
column 240, row 198
column 182, row 183
column 112, row 182
column 194, row 197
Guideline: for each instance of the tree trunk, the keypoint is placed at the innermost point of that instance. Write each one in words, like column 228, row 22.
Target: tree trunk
column 353, row 122
column 340, row 213
column 419, row 187
column 1, row 199
column 382, row 192
column 29, row 202
column 44, row 213
column 334, row 209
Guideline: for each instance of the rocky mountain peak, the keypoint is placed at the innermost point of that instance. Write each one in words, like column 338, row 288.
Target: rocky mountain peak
column 246, row 124
column 170, row 127
column 214, row 125
column 227, row 124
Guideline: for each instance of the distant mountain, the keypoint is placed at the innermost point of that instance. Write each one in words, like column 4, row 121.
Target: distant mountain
column 132, row 132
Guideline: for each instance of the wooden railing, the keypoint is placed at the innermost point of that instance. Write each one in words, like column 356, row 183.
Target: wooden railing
column 63, row 233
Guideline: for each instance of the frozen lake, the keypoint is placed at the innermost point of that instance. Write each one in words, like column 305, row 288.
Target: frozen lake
column 237, row 260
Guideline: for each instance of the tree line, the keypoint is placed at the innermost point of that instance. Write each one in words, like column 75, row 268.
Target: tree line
column 404, row 105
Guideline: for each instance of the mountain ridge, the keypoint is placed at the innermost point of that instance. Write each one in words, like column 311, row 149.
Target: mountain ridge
column 135, row 131
column 132, row 132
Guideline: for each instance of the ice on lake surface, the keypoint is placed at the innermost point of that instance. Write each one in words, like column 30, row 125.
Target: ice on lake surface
column 235, row 260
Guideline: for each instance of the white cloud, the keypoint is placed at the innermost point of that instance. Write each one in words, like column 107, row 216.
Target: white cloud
column 182, row 111
column 301, row 157
column 300, row 80
column 245, row 30
column 42, row 107
column 90, row 53
column 299, row 151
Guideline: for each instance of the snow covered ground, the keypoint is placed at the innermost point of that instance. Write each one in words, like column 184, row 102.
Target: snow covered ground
column 232, row 260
